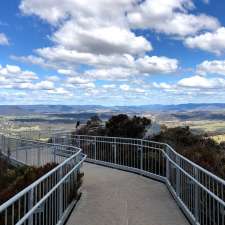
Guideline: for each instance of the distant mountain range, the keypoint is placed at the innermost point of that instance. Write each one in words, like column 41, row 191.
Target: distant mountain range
column 58, row 109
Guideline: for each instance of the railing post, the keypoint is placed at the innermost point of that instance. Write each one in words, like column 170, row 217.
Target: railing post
column 167, row 165
column 39, row 156
column 30, row 205
column 115, row 151
column 26, row 157
column 196, row 195
column 78, row 141
column 3, row 143
column 8, row 149
column 60, row 193
column 95, row 150
column 1, row 149
column 54, row 152
column 16, row 146
column 178, row 176
column 141, row 155
column 53, row 139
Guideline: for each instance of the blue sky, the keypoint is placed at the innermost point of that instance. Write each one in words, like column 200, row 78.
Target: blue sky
column 112, row 52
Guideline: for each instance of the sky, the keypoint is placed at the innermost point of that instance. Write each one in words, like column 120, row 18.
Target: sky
column 112, row 52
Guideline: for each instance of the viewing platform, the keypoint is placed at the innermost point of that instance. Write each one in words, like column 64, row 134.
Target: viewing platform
column 126, row 182
column 115, row 197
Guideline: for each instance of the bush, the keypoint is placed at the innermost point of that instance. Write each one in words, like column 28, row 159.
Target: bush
column 15, row 179
column 117, row 126
column 200, row 149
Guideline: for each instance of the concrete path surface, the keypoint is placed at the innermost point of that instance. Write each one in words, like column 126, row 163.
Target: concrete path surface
column 114, row 197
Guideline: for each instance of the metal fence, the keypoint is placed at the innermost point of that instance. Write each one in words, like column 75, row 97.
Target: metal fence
column 43, row 135
column 199, row 193
column 35, row 204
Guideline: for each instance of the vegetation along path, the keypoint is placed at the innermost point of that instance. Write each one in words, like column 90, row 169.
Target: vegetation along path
column 114, row 197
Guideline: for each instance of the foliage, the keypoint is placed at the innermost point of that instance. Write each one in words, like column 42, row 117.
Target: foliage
column 93, row 127
column 15, row 179
column 117, row 126
column 200, row 149
column 124, row 126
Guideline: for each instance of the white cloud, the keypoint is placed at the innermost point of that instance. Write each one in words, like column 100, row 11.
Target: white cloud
column 108, row 86
column 212, row 67
column 54, row 11
column 115, row 73
column 124, row 87
column 60, row 91
column 77, row 80
column 202, row 82
column 62, row 56
column 14, row 74
column 99, row 29
column 100, row 40
column 3, row 39
column 97, row 36
column 65, row 72
column 155, row 64
column 42, row 85
column 170, row 17
column 53, row 78
column 209, row 41
column 162, row 85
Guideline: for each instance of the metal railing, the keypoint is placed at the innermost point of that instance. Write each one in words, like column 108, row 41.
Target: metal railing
column 35, row 204
column 33, row 134
column 199, row 193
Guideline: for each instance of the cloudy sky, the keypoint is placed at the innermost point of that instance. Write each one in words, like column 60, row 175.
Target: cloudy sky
column 112, row 52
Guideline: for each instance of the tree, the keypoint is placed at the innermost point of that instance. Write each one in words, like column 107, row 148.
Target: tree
column 123, row 126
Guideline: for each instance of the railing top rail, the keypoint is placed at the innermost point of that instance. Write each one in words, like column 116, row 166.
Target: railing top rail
column 38, row 181
column 171, row 149
column 49, row 193
column 123, row 138
column 197, row 182
column 197, row 166
column 41, row 142
column 148, row 141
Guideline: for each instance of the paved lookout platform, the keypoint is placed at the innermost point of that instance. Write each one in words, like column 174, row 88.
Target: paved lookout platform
column 114, row 197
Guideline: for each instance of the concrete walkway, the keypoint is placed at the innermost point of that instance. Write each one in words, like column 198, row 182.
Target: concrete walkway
column 113, row 197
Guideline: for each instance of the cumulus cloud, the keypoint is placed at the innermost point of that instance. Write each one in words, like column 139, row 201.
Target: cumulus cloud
column 99, row 29
column 170, row 17
column 212, row 67
column 97, row 36
column 14, row 74
column 100, row 40
column 15, row 78
column 124, row 87
column 77, row 80
column 3, row 39
column 65, row 72
column 162, row 85
column 202, row 82
column 209, row 41
column 155, row 64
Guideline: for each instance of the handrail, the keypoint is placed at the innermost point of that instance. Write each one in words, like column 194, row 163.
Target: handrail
column 199, row 193
column 35, row 183
column 48, row 194
column 196, row 181
column 196, row 165
column 32, row 204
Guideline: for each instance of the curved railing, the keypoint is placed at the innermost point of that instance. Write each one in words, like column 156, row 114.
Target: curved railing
column 199, row 193
column 35, row 204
